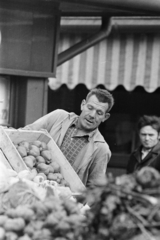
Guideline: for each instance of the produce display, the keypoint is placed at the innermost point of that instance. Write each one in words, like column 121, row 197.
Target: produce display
column 37, row 203
column 23, row 216
column 127, row 207
column 37, row 157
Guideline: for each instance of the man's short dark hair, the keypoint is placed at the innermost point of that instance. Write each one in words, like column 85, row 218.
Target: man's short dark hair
column 103, row 96
column 152, row 121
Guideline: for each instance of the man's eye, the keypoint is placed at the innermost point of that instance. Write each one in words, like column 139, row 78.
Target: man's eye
column 90, row 107
column 100, row 113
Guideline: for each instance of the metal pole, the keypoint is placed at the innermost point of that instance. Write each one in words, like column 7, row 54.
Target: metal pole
column 139, row 5
column 84, row 44
column 120, row 24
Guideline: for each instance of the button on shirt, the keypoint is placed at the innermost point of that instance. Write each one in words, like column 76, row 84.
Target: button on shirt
column 73, row 142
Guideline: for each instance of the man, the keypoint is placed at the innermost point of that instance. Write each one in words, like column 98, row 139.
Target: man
column 78, row 137
column 148, row 154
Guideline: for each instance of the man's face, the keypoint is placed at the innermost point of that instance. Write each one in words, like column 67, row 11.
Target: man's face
column 149, row 137
column 93, row 113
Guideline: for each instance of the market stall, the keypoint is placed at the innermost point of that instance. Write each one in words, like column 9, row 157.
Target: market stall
column 36, row 204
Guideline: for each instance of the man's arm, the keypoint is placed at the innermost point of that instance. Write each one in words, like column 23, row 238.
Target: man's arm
column 47, row 121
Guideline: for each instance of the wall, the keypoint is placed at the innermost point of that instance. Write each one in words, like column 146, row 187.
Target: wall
column 28, row 38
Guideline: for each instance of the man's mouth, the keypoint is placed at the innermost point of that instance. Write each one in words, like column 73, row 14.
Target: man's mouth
column 89, row 121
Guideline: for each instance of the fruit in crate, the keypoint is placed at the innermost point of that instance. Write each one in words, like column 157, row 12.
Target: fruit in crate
column 38, row 159
column 30, row 161
column 37, row 143
column 44, row 168
column 55, row 166
column 46, row 154
column 34, row 151
column 22, row 151
column 25, row 144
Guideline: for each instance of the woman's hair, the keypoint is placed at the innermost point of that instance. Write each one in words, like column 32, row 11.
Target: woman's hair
column 103, row 96
column 152, row 121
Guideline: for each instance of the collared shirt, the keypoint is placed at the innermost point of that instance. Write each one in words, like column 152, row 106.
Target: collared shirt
column 144, row 153
column 73, row 142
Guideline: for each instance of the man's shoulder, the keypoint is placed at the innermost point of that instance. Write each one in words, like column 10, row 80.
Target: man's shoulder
column 101, row 142
column 156, row 148
column 97, row 137
column 62, row 113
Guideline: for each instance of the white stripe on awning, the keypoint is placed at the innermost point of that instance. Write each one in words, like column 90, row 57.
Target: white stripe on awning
column 129, row 60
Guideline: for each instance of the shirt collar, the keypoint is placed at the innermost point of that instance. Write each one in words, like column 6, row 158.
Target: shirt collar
column 145, row 150
column 75, row 122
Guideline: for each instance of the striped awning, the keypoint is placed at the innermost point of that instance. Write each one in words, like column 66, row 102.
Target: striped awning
column 130, row 60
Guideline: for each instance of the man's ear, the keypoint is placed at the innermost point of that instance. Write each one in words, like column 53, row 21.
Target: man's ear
column 107, row 115
column 83, row 103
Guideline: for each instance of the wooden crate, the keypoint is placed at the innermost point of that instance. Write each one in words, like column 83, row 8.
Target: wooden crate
column 9, row 153
column 4, row 160
column 15, row 136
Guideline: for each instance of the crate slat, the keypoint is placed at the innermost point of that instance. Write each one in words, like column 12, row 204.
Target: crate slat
column 10, row 152
column 4, row 160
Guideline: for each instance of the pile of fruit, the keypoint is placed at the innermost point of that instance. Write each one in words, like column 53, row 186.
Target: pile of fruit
column 38, row 159
column 23, row 216
column 127, row 207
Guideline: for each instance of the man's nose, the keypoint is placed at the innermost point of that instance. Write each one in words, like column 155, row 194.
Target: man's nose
column 92, row 113
column 147, row 137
